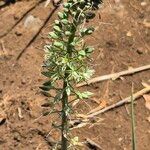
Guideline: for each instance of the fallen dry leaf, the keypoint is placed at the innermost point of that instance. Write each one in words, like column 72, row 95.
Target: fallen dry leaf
column 102, row 105
column 147, row 101
column 96, row 100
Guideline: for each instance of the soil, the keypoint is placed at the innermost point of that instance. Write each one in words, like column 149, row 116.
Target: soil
column 121, row 41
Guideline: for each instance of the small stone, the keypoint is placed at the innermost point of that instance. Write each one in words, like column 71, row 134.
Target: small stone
column 129, row 34
column 2, row 141
column 110, row 44
column 16, row 17
column 119, row 126
column 23, row 81
column 148, row 119
column 12, row 81
column 18, row 33
column 143, row 3
column 120, row 139
column 32, row 23
column 141, row 15
column 140, row 51
column 17, row 137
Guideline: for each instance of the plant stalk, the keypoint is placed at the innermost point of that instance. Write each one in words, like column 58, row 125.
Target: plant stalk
column 133, row 122
column 64, row 129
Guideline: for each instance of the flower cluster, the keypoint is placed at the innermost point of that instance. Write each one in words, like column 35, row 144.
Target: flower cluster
column 65, row 56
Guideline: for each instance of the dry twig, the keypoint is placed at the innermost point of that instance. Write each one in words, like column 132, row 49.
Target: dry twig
column 114, row 75
column 122, row 102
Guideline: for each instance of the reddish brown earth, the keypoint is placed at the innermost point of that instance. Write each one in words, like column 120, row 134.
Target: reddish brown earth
column 121, row 41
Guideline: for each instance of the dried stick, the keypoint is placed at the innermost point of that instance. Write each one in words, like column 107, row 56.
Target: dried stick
column 114, row 75
column 122, row 102
column 22, row 17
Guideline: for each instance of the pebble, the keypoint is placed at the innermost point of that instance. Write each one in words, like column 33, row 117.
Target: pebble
column 32, row 22
column 120, row 139
column 16, row 17
column 143, row 3
column 140, row 51
column 17, row 137
column 23, row 81
column 18, row 33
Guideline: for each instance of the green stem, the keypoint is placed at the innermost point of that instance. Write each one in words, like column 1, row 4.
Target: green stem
column 65, row 127
column 133, row 122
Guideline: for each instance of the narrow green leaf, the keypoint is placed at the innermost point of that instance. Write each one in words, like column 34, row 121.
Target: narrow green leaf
column 87, row 31
column 57, row 22
column 58, row 96
column 47, row 83
column 46, row 93
column 84, row 95
column 64, row 21
column 82, row 52
column 49, row 104
column 89, row 49
column 60, row 15
column 58, row 44
column 47, row 73
column 45, row 88
column 66, row 10
column 53, row 35
column 57, row 28
column 67, row 33
column 67, row 5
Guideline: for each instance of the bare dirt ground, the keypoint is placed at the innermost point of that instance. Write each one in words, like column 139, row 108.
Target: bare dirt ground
column 121, row 41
